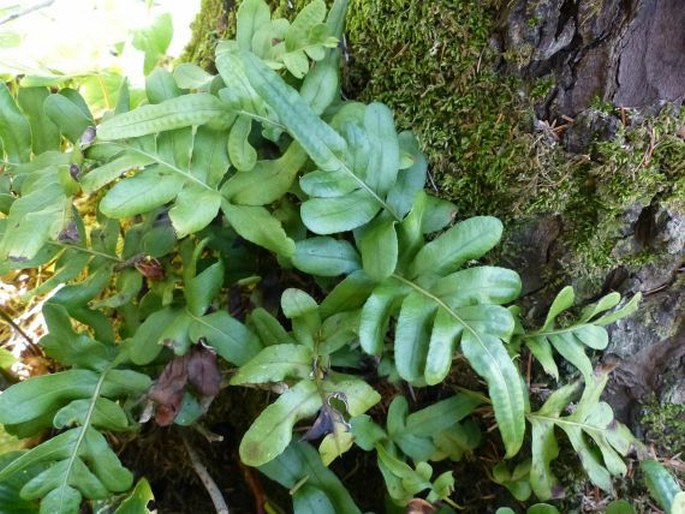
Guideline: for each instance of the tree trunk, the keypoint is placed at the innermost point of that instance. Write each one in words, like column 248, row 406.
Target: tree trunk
column 629, row 54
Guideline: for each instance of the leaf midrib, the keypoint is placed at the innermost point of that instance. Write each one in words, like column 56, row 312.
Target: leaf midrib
column 82, row 433
column 558, row 331
column 473, row 331
column 293, row 114
column 590, row 429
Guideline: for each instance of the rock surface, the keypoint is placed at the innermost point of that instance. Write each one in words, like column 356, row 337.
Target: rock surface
column 650, row 345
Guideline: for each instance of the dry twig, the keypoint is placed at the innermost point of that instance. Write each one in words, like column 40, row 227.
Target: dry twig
column 207, row 480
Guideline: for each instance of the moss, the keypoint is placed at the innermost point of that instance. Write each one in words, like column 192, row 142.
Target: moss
column 215, row 21
column 641, row 167
column 541, row 88
column 664, row 426
column 433, row 65
column 431, row 62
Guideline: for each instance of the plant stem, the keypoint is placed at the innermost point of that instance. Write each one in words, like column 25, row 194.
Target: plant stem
column 27, row 10
column 85, row 250
column 207, row 480
column 8, row 319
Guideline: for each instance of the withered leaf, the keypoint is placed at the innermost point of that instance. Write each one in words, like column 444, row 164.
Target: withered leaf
column 323, row 424
column 326, row 421
column 69, row 234
column 166, row 414
column 167, row 391
column 203, row 371
column 87, row 137
column 420, row 506
column 150, row 268
column 74, row 171
column 198, row 368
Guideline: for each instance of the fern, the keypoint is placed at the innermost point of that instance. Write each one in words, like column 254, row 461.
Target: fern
column 306, row 364
column 44, row 185
column 314, row 487
column 570, row 340
column 81, row 401
column 351, row 198
column 598, row 439
column 663, row 486
column 268, row 152
column 188, row 177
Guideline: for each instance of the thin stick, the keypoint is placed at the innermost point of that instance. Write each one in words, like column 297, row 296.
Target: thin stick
column 207, row 480
column 26, row 11
column 8, row 319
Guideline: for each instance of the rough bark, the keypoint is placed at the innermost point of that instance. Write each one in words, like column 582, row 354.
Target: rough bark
column 629, row 53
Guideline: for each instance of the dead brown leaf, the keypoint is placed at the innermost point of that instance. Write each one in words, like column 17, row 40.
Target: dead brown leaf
column 197, row 368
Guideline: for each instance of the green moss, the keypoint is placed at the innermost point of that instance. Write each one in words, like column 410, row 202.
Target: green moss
column 664, row 426
column 642, row 166
column 215, row 21
column 431, row 62
column 541, row 88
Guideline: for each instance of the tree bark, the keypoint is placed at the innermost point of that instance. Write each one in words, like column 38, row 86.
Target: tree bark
column 631, row 55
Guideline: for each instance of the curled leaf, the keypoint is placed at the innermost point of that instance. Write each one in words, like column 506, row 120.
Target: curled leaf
column 167, row 392
column 197, row 368
column 326, row 422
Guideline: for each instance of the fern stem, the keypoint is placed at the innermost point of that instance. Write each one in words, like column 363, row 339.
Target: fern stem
column 207, row 480
column 483, row 398
column 440, row 303
column 259, row 118
column 85, row 250
column 557, row 331
column 450, row 311
column 186, row 175
column 82, row 433
column 369, row 190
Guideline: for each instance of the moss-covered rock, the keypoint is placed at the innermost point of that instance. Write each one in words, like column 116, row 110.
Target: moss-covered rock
column 215, row 21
